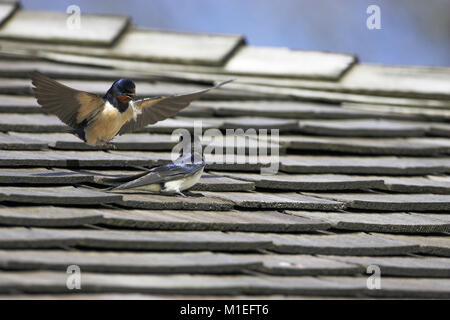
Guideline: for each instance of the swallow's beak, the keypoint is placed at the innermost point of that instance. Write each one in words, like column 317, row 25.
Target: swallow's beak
column 126, row 97
column 131, row 93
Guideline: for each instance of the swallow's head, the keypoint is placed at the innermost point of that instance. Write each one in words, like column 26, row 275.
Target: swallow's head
column 122, row 91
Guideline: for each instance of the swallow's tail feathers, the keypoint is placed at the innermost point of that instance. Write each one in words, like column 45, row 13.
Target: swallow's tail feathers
column 156, row 109
column 121, row 183
column 71, row 106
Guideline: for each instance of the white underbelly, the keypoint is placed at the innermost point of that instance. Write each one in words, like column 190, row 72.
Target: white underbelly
column 156, row 187
column 150, row 187
column 184, row 183
column 107, row 124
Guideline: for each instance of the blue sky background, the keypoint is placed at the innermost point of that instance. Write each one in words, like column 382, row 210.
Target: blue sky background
column 414, row 32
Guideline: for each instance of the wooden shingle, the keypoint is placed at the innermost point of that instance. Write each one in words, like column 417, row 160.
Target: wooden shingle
column 67, row 141
column 21, row 238
column 362, row 128
column 46, row 216
column 42, row 176
column 31, row 123
column 283, row 109
column 276, row 201
column 52, row 27
column 360, row 171
column 120, row 262
column 55, row 282
column 391, row 202
column 250, row 221
column 7, row 9
column 367, row 146
column 418, row 82
column 386, row 111
column 56, row 195
column 175, row 47
column 169, row 202
column 308, row 182
column 416, row 185
column 357, row 244
column 304, row 265
column 11, row 142
column 280, row 93
column 432, row 245
column 220, row 184
column 404, row 266
column 19, row 104
column 289, row 63
column 379, row 222
column 73, row 159
column 364, row 165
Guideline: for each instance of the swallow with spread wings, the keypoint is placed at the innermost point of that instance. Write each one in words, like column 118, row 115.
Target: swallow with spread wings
column 97, row 120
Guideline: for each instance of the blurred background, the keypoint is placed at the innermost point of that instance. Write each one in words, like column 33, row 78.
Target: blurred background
column 413, row 32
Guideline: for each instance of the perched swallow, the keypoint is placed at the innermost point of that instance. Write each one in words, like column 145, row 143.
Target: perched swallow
column 97, row 120
column 172, row 178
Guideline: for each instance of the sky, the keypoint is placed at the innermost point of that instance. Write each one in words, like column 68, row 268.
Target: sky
column 413, row 32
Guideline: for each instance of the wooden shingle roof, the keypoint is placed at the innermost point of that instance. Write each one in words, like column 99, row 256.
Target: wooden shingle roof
column 363, row 172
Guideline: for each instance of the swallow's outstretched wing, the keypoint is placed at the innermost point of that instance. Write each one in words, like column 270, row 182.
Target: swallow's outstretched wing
column 71, row 106
column 162, row 174
column 160, row 108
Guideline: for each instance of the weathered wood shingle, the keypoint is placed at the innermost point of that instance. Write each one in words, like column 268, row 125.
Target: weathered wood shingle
column 363, row 159
column 21, row 238
column 364, row 165
column 290, row 63
column 59, row 195
column 122, row 262
column 52, row 27
column 380, row 222
column 341, row 244
column 253, row 221
column 391, row 202
column 7, row 9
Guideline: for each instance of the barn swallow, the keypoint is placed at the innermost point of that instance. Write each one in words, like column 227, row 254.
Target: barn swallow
column 171, row 178
column 97, row 120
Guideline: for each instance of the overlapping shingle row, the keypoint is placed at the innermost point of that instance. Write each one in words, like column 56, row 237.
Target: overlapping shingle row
column 363, row 161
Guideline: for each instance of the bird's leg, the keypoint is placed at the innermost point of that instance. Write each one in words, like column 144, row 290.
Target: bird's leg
column 111, row 145
column 182, row 194
column 188, row 194
column 107, row 143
